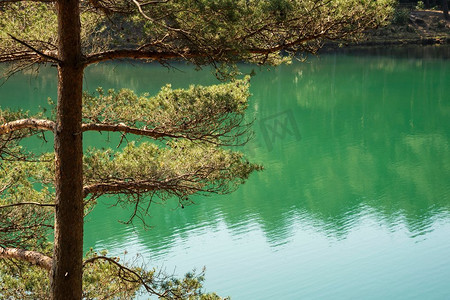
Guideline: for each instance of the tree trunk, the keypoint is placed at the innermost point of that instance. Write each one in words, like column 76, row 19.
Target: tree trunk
column 445, row 9
column 66, row 278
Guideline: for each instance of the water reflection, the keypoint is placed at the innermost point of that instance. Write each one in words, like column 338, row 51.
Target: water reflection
column 341, row 136
column 362, row 137
column 375, row 139
column 357, row 157
column 406, row 51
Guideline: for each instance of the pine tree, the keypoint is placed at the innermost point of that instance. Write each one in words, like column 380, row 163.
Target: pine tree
column 42, row 192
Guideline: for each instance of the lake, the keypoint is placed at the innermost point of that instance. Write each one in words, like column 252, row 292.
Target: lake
column 354, row 201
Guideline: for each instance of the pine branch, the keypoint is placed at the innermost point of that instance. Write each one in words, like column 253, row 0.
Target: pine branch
column 6, row 186
column 210, row 138
column 125, row 273
column 134, row 54
column 212, row 114
column 27, row 123
column 127, row 129
column 140, row 186
column 211, row 55
column 20, row 56
column 121, row 187
column 28, row 203
column 34, row 257
column 49, row 57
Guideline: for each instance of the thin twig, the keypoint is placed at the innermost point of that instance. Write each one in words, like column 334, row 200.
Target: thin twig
column 28, row 203
column 35, row 50
column 123, row 268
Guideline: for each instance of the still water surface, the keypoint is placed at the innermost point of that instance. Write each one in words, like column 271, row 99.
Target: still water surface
column 354, row 202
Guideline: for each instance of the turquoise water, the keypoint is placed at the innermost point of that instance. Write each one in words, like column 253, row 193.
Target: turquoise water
column 354, row 202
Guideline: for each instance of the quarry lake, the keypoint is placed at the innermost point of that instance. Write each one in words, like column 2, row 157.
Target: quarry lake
column 354, row 201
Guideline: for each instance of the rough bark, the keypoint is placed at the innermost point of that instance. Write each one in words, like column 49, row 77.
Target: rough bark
column 66, row 278
column 27, row 123
column 33, row 257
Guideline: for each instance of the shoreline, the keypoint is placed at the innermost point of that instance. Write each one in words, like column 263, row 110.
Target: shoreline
column 418, row 27
column 437, row 41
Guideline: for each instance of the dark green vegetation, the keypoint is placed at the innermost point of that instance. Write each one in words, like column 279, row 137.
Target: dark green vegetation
column 410, row 24
column 189, row 125
column 428, row 4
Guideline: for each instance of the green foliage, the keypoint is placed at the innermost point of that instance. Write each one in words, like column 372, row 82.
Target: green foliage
column 24, row 177
column 19, row 280
column 180, row 169
column 36, row 24
column 103, row 278
column 420, row 5
column 25, row 225
column 203, row 32
column 9, row 146
column 29, row 21
column 401, row 16
column 7, row 115
column 195, row 122
column 213, row 113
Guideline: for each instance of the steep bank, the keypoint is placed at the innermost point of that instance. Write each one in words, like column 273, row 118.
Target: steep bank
column 417, row 27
